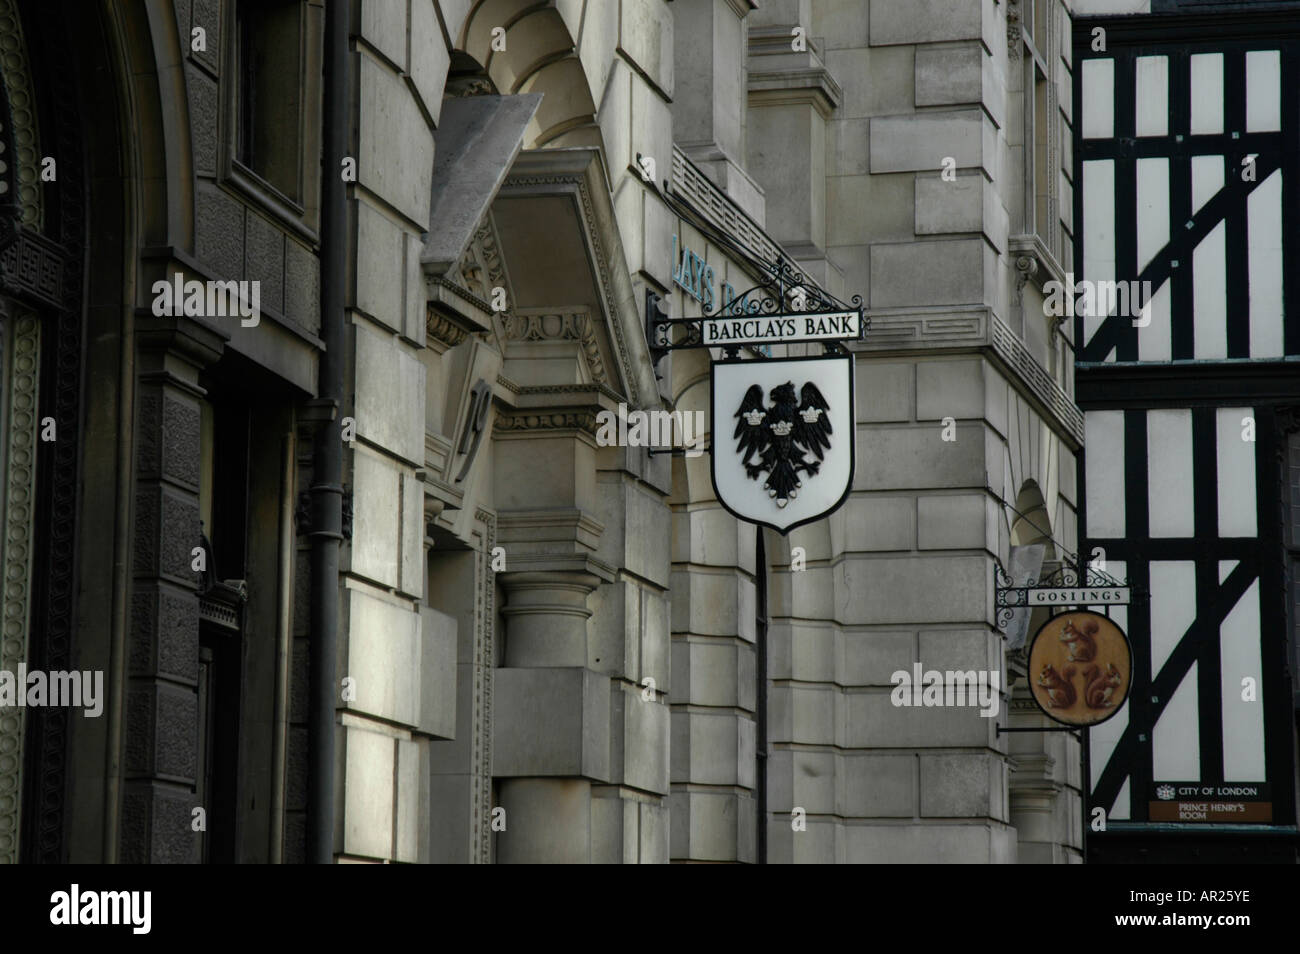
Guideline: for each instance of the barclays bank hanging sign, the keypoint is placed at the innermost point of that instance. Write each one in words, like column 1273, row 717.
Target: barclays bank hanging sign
column 783, row 429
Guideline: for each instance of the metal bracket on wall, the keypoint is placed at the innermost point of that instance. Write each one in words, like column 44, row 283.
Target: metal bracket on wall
column 302, row 514
column 679, row 451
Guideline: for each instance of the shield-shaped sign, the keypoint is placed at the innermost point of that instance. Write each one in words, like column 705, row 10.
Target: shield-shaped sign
column 783, row 438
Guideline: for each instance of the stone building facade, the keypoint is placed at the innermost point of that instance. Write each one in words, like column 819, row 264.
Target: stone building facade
column 548, row 649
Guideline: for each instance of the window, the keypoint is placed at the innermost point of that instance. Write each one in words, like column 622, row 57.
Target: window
column 268, row 55
column 1045, row 128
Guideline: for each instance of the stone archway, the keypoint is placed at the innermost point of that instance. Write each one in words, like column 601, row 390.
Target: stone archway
column 529, row 47
column 67, row 92
column 1030, row 522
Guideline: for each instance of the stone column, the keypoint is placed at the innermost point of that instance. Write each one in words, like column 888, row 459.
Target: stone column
column 551, row 736
column 546, row 618
column 161, row 720
column 551, row 708
column 1044, row 786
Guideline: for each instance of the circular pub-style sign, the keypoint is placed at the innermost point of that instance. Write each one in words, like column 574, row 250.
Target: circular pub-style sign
column 1080, row 668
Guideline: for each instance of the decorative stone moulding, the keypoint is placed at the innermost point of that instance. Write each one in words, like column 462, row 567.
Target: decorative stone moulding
column 930, row 329
column 452, row 313
column 572, row 323
column 553, row 421
column 578, row 175
column 779, row 75
column 1034, row 262
column 15, row 72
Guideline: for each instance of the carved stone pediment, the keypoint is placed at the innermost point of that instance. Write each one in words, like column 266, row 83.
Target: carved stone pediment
column 572, row 316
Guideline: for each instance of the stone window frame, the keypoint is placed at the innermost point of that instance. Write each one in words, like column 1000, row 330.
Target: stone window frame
column 300, row 214
column 1038, row 44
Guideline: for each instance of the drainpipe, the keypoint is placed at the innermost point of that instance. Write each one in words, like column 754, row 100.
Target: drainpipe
column 760, row 699
column 327, row 461
column 283, row 649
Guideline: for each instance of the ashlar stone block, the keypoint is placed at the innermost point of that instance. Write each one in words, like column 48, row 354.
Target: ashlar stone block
column 921, row 141
column 383, row 658
column 375, row 519
column 928, row 273
column 645, row 742
column 933, row 589
column 870, row 657
column 437, row 673
column 952, row 522
column 943, row 207
column 396, row 154
column 876, row 786
column 950, row 74
column 925, row 21
column 960, row 785
column 429, row 56
column 548, row 821
column 551, row 722
column 645, row 37
column 368, row 794
column 390, row 384
column 910, row 458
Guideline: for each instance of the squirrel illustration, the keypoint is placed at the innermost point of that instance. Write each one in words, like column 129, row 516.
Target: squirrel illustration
column 1079, row 645
column 1100, row 686
column 1060, row 690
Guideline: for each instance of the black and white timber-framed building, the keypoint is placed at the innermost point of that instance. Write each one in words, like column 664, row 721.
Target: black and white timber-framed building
column 1187, row 169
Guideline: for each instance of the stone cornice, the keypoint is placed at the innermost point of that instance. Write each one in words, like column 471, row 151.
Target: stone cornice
column 976, row 328
column 438, row 327
column 450, row 303
column 779, row 75
column 543, row 396
column 553, row 540
column 554, row 407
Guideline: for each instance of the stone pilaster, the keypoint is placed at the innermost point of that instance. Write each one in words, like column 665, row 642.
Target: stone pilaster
column 161, row 722
column 709, row 106
column 551, row 709
column 791, row 97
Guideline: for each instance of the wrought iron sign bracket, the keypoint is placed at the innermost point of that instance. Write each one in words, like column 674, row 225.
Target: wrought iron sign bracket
column 783, row 294
column 1084, row 585
column 679, row 451
column 1072, row 729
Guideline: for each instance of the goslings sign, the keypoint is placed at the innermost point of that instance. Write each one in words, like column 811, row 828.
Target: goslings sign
column 1080, row 668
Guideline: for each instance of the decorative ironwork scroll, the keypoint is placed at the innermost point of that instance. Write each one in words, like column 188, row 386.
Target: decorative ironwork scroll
column 1068, row 585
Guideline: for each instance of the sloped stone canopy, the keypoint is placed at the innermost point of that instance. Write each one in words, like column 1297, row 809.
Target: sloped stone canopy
column 476, row 143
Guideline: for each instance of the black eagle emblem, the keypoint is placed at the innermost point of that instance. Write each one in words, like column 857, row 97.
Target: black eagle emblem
column 782, row 436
